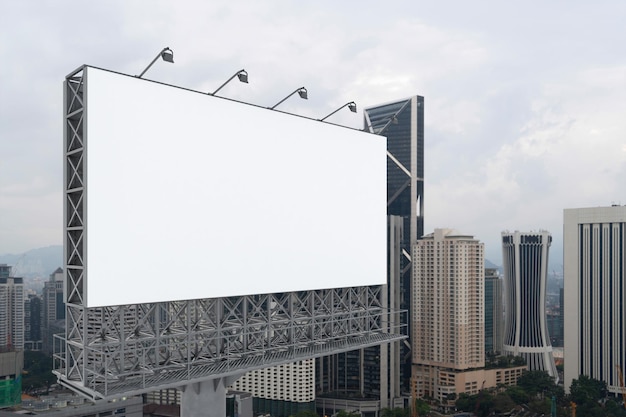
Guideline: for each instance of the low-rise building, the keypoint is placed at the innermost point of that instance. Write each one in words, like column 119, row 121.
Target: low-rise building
column 450, row 383
column 72, row 405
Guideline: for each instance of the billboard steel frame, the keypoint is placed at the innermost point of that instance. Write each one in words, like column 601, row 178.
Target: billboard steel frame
column 115, row 351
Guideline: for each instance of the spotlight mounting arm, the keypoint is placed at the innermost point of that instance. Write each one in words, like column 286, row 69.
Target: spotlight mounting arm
column 302, row 92
column 241, row 74
column 351, row 105
column 166, row 54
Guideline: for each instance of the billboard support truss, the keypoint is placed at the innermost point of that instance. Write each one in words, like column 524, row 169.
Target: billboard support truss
column 119, row 350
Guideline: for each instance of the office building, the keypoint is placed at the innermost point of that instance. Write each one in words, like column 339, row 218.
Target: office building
column 494, row 312
column 70, row 405
column 32, row 322
column 12, row 313
column 448, row 312
column 53, row 309
column 525, row 262
column 11, row 337
column 594, row 266
column 281, row 390
column 555, row 329
column 382, row 374
column 560, row 340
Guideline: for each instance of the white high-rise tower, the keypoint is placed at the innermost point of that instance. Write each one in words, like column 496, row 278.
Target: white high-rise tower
column 594, row 266
column 11, row 310
column 11, row 337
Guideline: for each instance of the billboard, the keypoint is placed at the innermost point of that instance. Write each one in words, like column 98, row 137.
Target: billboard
column 193, row 196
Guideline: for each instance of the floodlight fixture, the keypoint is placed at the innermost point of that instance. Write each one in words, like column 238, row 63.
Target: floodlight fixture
column 166, row 54
column 241, row 74
column 301, row 92
column 351, row 105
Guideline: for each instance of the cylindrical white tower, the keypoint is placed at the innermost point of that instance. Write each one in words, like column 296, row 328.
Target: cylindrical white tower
column 525, row 261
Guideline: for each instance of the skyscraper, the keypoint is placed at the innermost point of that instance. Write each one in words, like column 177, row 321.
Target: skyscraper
column 11, row 336
column 448, row 310
column 32, row 322
column 525, row 259
column 53, row 309
column 11, row 312
column 383, row 373
column 594, row 262
column 402, row 122
column 494, row 312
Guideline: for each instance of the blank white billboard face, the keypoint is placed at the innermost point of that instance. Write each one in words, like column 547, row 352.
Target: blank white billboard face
column 191, row 196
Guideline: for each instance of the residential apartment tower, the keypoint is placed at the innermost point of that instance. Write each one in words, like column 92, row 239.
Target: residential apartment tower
column 447, row 313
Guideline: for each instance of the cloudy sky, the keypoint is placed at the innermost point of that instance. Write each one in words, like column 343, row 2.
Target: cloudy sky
column 525, row 101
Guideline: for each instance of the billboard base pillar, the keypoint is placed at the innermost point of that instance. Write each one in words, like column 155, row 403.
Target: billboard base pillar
column 206, row 398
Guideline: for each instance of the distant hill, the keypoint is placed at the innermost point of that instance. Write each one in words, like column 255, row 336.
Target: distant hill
column 34, row 263
column 489, row 264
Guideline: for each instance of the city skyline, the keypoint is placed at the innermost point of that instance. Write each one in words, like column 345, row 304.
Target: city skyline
column 525, row 100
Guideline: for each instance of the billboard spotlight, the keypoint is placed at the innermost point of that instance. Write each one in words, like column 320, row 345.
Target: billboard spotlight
column 168, row 56
column 301, row 92
column 351, row 105
column 241, row 74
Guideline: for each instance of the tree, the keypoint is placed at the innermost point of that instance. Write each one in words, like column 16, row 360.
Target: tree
column 484, row 403
column 586, row 390
column 395, row 412
column 37, row 370
column 537, row 382
column 305, row 413
column 344, row 413
column 590, row 396
column 518, row 361
column 540, row 405
column 502, row 403
column 421, row 407
column 517, row 394
column 613, row 408
column 465, row 402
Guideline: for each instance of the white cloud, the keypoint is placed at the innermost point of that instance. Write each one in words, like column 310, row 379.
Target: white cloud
column 552, row 164
column 520, row 121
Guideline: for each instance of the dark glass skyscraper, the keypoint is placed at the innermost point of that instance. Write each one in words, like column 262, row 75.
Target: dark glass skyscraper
column 494, row 312
column 383, row 372
column 5, row 271
column 402, row 122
